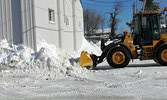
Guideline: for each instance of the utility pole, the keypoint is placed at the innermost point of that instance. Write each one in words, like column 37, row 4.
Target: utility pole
column 144, row 5
column 133, row 9
column 137, row 3
column 133, row 21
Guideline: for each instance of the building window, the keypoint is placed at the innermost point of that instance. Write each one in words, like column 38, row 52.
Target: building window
column 51, row 16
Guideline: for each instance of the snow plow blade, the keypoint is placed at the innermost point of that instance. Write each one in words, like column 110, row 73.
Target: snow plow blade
column 86, row 60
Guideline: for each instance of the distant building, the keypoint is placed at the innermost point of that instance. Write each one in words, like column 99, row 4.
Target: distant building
column 99, row 34
column 103, row 31
column 59, row 22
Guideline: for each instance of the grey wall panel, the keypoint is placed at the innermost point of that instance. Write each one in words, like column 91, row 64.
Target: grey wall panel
column 6, row 21
column 16, row 19
column 27, row 23
column 10, row 20
column 1, row 21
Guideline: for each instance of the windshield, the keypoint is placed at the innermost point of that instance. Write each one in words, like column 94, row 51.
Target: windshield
column 146, row 19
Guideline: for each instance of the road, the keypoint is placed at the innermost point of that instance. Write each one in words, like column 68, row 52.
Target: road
column 144, row 80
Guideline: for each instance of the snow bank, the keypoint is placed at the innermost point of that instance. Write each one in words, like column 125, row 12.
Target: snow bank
column 48, row 61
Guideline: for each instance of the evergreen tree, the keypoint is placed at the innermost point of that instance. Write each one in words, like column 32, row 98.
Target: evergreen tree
column 151, row 5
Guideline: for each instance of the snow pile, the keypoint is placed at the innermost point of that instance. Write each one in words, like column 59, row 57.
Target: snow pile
column 57, row 61
column 48, row 61
column 89, row 47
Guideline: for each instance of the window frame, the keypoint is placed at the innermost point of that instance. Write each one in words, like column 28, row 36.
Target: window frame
column 51, row 15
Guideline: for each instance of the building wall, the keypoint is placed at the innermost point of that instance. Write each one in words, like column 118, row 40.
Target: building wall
column 68, row 34
column 17, row 22
column 79, row 24
column 6, row 31
column 44, row 29
column 27, row 22
column 64, row 31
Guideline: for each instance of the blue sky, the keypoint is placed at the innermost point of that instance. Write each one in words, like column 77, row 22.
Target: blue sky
column 125, row 15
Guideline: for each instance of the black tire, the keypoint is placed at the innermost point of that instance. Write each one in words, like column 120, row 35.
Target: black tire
column 123, row 51
column 159, row 55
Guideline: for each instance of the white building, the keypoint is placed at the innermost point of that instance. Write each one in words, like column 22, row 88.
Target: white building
column 58, row 22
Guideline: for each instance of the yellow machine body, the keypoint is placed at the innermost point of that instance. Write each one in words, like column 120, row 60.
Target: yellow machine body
column 148, row 50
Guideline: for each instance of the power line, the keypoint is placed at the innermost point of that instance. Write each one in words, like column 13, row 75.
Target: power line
column 98, row 1
column 96, row 4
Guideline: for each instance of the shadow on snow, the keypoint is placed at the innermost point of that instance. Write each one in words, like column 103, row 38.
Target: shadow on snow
column 107, row 67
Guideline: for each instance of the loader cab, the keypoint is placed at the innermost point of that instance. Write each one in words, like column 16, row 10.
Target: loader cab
column 147, row 28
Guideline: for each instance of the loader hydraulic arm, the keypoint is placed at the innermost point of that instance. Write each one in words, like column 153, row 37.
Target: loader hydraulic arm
column 166, row 22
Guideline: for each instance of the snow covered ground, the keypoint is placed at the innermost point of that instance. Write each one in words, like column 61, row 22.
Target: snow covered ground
column 55, row 75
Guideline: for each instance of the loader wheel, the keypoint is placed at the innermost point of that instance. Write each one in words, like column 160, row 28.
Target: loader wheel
column 118, row 57
column 162, row 56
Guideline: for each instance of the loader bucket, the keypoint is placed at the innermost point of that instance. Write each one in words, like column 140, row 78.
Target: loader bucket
column 85, row 60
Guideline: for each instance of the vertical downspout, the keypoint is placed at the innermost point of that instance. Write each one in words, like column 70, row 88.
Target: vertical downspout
column 34, row 26
column 60, row 28
column 1, row 14
column 74, row 24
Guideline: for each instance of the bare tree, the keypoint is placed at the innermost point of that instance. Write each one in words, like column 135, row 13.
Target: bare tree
column 102, row 22
column 113, row 19
column 92, row 21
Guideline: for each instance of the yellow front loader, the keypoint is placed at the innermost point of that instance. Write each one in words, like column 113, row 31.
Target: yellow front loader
column 147, row 42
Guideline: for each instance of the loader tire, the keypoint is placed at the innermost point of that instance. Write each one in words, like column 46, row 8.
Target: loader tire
column 118, row 57
column 161, row 56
